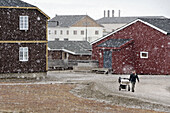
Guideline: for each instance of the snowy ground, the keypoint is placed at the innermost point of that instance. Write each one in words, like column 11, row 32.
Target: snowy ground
column 152, row 92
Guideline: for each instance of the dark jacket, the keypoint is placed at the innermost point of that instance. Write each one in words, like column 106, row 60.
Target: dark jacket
column 133, row 77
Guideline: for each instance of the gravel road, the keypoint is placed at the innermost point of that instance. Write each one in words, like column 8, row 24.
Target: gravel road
column 152, row 92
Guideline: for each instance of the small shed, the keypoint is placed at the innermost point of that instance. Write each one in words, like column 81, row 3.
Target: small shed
column 67, row 54
column 70, row 50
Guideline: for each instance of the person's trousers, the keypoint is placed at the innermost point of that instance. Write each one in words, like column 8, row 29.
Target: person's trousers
column 133, row 86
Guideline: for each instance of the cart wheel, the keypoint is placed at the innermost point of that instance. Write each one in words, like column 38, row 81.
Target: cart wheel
column 128, row 87
column 119, row 88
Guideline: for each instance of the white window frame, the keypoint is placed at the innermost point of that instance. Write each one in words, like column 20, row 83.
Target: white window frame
column 23, row 54
column 23, row 23
column 142, row 53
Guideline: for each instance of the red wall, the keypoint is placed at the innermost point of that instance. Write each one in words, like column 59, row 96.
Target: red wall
column 145, row 39
column 122, row 60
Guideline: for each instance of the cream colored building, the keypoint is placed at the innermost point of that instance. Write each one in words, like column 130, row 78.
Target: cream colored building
column 74, row 28
column 111, row 23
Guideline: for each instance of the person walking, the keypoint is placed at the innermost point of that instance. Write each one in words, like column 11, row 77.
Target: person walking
column 133, row 77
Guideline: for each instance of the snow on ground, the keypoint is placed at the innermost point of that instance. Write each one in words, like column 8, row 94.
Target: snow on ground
column 152, row 92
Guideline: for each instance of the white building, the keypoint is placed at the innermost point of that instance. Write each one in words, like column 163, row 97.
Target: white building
column 74, row 28
column 111, row 23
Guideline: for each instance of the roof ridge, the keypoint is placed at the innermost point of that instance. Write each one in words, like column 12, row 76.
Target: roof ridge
column 156, row 18
column 70, row 15
column 165, row 28
column 66, row 20
column 136, row 17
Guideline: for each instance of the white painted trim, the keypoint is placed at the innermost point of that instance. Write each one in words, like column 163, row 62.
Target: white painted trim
column 24, row 50
column 127, row 26
column 49, row 48
column 23, row 23
column 164, row 32
column 65, row 50
column 142, row 56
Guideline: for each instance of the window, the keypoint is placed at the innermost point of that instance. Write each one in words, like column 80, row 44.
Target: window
column 23, row 22
column 57, row 23
column 67, row 32
column 23, row 54
column 55, row 32
column 61, row 32
column 82, row 32
column 57, row 39
column 49, row 31
column 96, row 32
column 143, row 54
column 75, row 32
column 65, row 55
column 66, row 39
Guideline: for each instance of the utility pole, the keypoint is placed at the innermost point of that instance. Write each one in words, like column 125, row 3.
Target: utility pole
column 86, row 28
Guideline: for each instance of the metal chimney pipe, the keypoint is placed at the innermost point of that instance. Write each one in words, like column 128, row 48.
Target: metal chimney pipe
column 104, row 13
column 113, row 13
column 108, row 13
column 119, row 13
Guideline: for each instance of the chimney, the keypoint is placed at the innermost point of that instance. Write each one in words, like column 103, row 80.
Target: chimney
column 104, row 13
column 108, row 12
column 119, row 13
column 113, row 13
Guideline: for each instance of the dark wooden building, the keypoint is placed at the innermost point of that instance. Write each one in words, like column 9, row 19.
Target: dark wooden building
column 143, row 45
column 67, row 54
column 70, row 50
column 23, row 38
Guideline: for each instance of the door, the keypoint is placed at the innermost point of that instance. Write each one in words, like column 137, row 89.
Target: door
column 107, row 60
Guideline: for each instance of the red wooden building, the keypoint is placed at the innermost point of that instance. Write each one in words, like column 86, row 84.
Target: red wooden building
column 143, row 45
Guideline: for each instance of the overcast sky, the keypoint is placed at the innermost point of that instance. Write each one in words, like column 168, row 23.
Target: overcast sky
column 95, row 8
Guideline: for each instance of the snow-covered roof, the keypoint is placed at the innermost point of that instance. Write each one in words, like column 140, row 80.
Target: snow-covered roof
column 14, row 3
column 161, row 25
column 115, row 43
column 122, row 20
column 72, row 47
column 65, row 20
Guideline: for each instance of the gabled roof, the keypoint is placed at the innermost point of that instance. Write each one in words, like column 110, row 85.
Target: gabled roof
column 114, row 43
column 65, row 20
column 15, row 3
column 72, row 47
column 161, row 25
column 20, row 5
column 122, row 20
